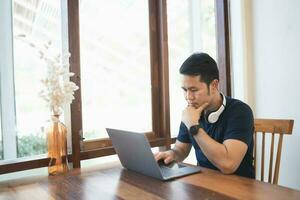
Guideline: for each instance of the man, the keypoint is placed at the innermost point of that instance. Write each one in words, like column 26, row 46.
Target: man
column 219, row 128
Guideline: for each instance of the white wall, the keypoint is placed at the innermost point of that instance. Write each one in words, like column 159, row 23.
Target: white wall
column 266, row 68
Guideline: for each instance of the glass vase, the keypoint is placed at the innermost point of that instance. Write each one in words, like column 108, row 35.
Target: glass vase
column 57, row 146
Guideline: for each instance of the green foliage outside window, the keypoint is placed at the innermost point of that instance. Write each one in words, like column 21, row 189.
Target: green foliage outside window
column 29, row 145
column 32, row 144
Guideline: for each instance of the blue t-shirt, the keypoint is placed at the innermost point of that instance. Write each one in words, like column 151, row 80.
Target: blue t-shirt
column 235, row 122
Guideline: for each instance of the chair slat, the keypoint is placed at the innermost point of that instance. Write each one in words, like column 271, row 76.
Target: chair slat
column 271, row 159
column 263, row 157
column 277, row 163
column 255, row 147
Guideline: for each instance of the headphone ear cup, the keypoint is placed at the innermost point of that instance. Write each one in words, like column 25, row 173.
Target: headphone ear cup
column 214, row 116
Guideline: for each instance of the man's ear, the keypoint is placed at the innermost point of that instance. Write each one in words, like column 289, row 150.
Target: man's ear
column 214, row 85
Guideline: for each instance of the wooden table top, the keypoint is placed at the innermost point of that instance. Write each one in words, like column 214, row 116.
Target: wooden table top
column 111, row 181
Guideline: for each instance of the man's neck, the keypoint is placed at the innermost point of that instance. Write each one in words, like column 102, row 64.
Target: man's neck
column 216, row 103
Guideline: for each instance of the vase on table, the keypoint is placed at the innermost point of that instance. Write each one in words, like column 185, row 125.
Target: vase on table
column 57, row 146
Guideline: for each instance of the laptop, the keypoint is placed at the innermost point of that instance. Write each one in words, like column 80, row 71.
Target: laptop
column 135, row 154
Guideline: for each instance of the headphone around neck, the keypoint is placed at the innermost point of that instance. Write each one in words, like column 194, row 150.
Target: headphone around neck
column 214, row 116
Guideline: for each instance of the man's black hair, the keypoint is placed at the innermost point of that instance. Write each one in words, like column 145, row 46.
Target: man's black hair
column 200, row 64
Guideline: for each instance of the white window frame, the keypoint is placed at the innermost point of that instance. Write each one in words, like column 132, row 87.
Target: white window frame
column 7, row 89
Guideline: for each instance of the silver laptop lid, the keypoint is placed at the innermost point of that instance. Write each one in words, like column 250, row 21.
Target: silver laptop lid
column 134, row 152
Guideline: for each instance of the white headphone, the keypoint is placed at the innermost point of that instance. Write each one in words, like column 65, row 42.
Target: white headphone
column 214, row 116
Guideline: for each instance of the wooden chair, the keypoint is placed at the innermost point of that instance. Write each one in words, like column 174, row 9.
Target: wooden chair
column 272, row 127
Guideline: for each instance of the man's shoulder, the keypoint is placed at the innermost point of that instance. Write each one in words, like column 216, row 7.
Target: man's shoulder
column 237, row 105
column 238, row 109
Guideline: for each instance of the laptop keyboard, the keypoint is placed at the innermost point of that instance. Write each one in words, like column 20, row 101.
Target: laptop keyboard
column 171, row 168
column 174, row 166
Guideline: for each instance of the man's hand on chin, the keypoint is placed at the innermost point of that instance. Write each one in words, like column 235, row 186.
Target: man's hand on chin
column 191, row 114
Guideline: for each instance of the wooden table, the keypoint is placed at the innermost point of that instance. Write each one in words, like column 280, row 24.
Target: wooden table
column 111, row 181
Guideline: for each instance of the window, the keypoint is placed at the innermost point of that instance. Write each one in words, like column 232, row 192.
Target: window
column 191, row 28
column 32, row 22
column 115, row 66
column 40, row 22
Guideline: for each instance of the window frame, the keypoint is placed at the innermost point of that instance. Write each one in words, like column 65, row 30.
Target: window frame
column 7, row 94
column 160, row 136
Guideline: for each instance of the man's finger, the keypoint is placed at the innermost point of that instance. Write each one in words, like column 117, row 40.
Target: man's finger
column 202, row 107
column 158, row 156
column 168, row 160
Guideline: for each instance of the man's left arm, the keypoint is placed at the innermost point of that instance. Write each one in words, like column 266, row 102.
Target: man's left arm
column 226, row 156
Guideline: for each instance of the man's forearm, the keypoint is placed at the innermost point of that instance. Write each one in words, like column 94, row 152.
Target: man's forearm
column 215, row 152
column 179, row 154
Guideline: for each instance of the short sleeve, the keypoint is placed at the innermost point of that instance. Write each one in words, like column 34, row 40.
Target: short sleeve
column 183, row 135
column 240, row 124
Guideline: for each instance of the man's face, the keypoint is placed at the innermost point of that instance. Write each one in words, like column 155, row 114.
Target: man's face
column 196, row 92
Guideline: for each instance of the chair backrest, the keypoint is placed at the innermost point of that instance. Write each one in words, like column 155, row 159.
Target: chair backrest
column 272, row 127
